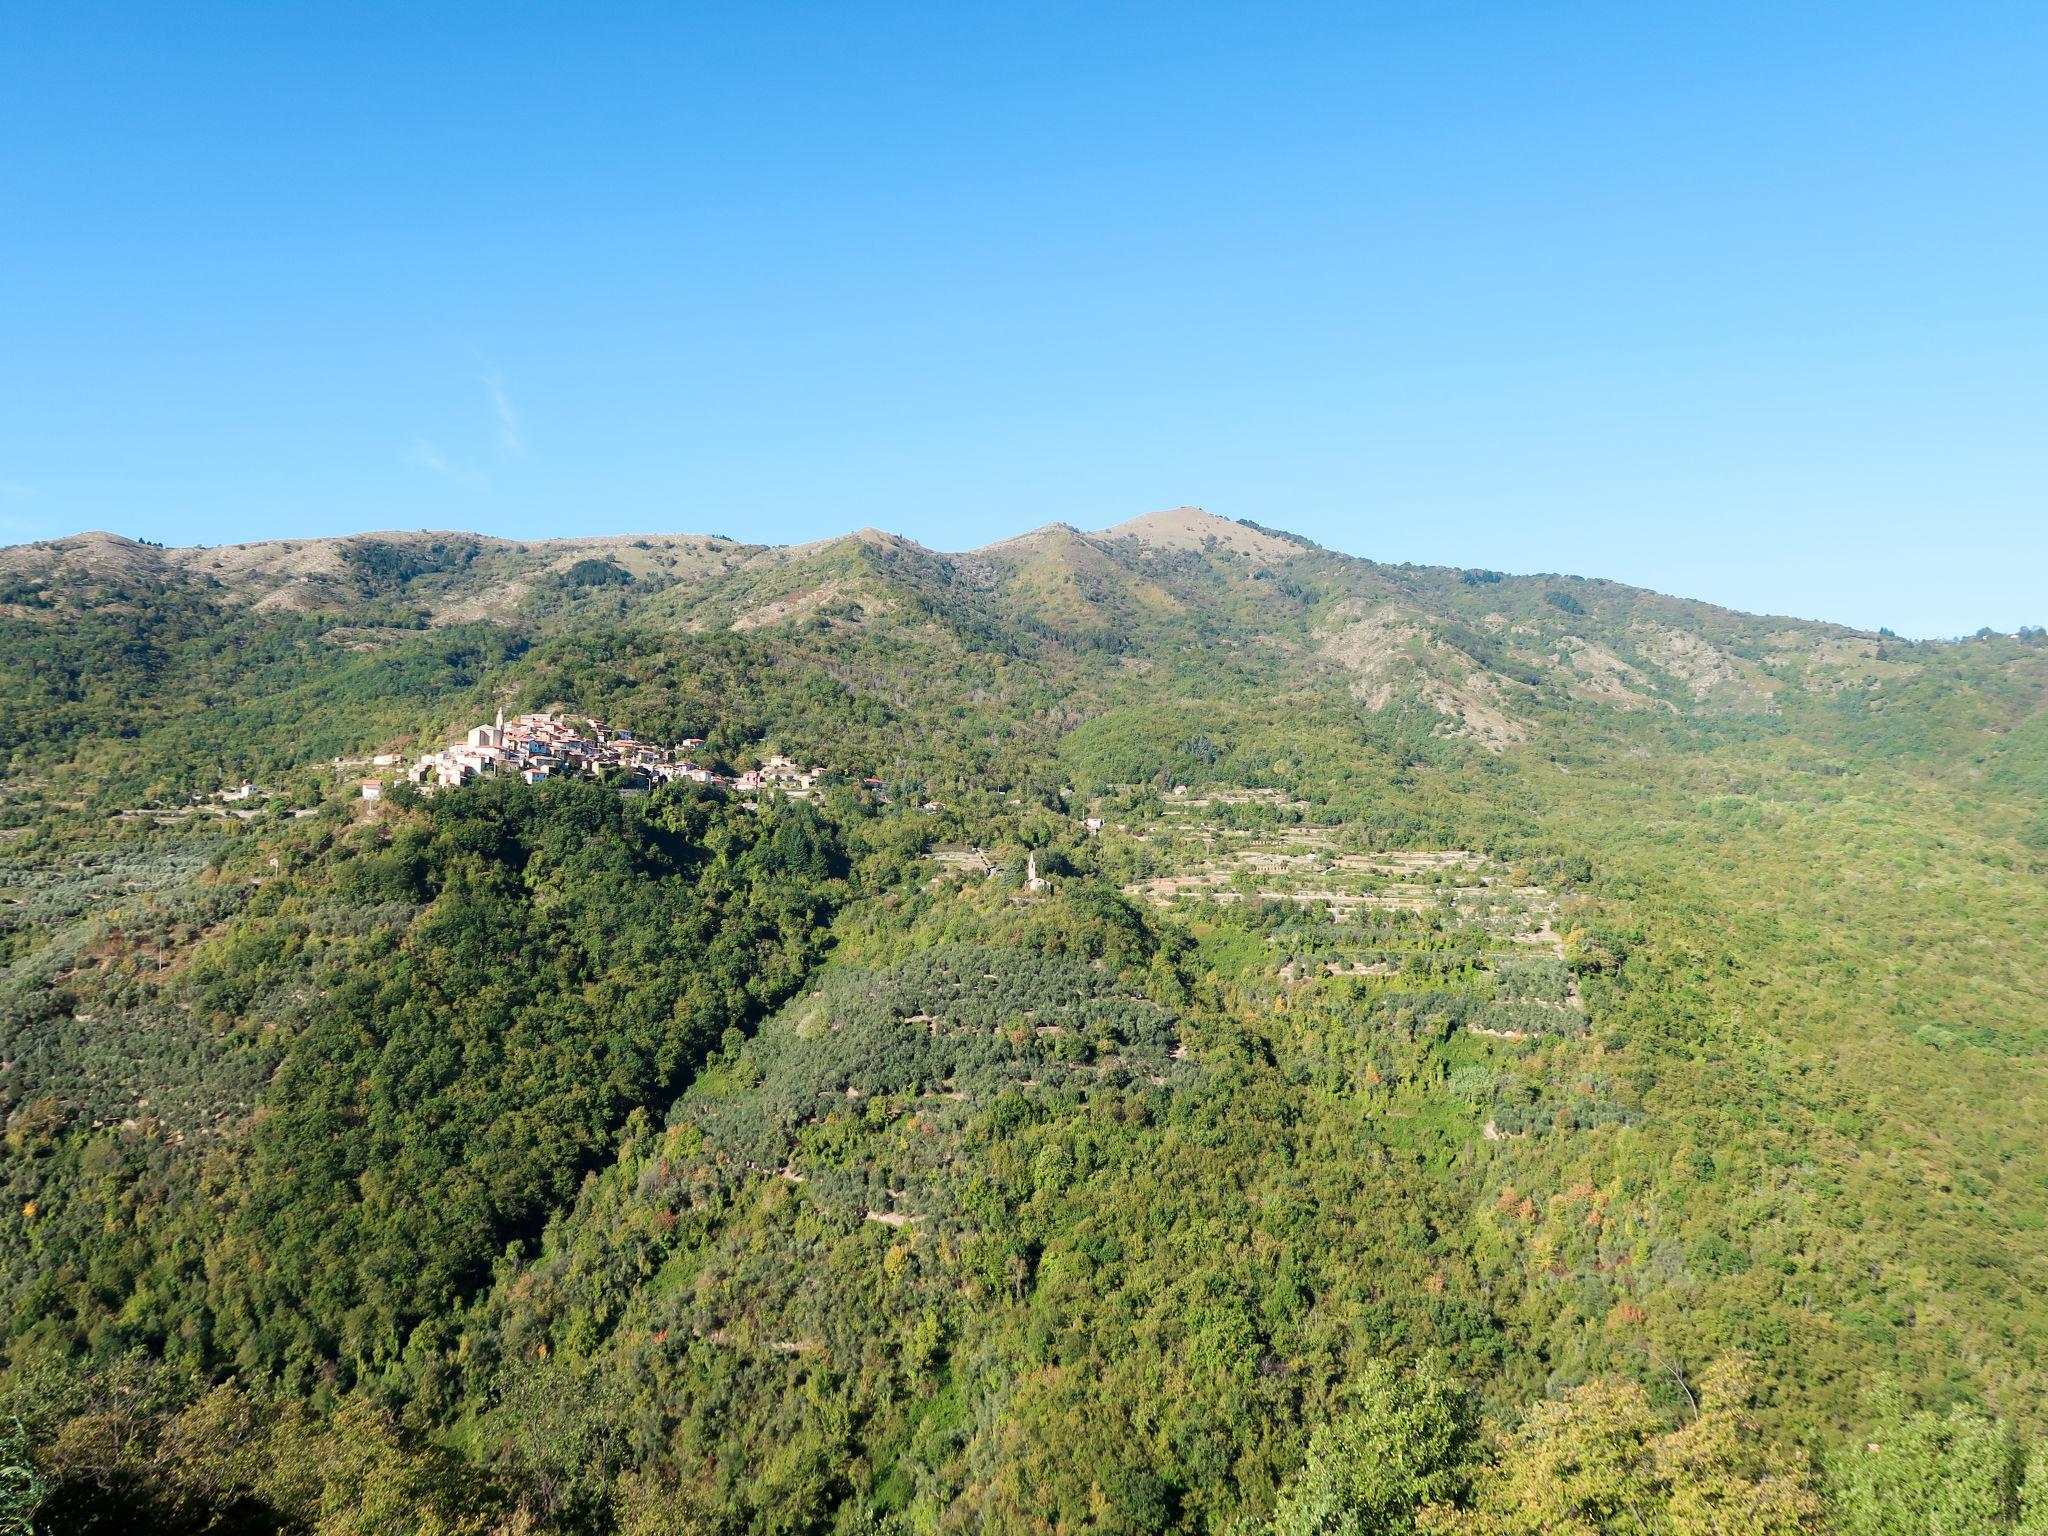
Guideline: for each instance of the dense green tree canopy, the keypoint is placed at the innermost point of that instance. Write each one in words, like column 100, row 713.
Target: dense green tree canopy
column 1238, row 1039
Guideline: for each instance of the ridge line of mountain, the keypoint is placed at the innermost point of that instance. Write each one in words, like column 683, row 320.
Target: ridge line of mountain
column 268, row 565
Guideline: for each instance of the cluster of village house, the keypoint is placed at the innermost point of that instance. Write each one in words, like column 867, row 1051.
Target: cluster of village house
column 537, row 747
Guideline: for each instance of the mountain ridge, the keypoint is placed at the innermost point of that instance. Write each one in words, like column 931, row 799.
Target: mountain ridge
column 100, row 552
column 1490, row 656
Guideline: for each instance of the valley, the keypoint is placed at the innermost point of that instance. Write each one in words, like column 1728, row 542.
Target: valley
column 1071, row 1032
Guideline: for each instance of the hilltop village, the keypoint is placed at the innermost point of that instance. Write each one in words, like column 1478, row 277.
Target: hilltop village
column 542, row 746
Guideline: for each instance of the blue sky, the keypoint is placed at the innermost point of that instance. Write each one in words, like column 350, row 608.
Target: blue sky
column 1746, row 303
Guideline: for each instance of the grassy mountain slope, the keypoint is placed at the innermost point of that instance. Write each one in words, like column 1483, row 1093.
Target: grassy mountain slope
column 1556, row 979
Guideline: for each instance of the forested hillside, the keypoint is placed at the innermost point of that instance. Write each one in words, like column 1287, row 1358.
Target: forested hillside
column 1238, row 1038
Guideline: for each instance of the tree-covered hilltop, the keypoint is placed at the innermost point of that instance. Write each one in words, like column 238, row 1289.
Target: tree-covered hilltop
column 1480, row 1052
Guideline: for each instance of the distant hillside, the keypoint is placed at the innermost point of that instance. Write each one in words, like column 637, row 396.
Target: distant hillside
column 1489, row 654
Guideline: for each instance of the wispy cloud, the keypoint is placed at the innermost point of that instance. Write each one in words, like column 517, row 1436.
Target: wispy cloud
column 428, row 455
column 467, row 464
column 509, row 436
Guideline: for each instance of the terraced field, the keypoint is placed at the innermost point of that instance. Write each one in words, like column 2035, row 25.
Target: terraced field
column 1443, row 919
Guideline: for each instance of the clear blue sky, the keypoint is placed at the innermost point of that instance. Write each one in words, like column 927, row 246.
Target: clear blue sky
column 1744, row 302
